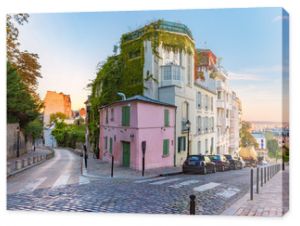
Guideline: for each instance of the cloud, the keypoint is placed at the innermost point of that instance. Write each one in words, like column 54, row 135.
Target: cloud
column 245, row 76
column 280, row 18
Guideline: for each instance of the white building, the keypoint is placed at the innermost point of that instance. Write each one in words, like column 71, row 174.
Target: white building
column 235, row 124
column 204, row 102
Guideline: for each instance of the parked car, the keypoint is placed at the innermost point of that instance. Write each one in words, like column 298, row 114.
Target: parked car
column 242, row 161
column 198, row 164
column 235, row 163
column 221, row 162
column 263, row 163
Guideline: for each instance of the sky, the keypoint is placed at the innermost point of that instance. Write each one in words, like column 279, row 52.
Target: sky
column 249, row 42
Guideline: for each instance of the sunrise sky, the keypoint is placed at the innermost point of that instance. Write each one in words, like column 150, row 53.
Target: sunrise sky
column 249, row 41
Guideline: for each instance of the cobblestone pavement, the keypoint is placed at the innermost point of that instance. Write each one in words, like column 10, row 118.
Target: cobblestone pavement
column 214, row 193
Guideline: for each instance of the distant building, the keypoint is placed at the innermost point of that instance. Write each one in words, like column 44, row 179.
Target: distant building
column 82, row 112
column 260, row 139
column 125, row 124
column 56, row 102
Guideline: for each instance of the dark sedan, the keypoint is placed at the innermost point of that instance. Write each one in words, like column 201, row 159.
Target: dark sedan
column 221, row 162
column 235, row 163
column 198, row 164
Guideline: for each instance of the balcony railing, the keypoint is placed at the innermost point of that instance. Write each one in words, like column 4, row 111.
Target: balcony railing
column 171, row 75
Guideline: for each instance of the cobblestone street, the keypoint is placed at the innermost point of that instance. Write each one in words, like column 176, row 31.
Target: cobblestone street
column 170, row 194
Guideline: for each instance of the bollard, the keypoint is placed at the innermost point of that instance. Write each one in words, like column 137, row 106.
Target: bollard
column 29, row 160
column 268, row 173
column 257, row 180
column 112, row 166
column 283, row 167
column 261, row 177
column 265, row 175
column 251, row 185
column 19, row 164
column 192, row 204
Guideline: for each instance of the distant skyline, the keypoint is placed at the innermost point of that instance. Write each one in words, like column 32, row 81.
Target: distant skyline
column 249, row 41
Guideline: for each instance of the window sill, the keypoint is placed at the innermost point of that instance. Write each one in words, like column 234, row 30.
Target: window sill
column 165, row 156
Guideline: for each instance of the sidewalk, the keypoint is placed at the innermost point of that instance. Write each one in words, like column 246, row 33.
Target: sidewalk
column 102, row 169
column 272, row 200
column 28, row 160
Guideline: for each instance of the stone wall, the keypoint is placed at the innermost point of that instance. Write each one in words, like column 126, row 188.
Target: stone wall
column 12, row 141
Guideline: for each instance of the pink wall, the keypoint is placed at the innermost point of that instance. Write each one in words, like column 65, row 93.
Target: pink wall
column 146, row 123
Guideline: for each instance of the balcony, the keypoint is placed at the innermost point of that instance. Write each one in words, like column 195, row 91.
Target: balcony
column 171, row 75
column 220, row 85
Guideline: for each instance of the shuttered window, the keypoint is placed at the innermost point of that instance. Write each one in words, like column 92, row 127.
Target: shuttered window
column 166, row 147
column 166, row 117
column 110, row 145
column 181, row 144
column 126, row 116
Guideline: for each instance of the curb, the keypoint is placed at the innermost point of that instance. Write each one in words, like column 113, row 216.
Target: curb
column 47, row 157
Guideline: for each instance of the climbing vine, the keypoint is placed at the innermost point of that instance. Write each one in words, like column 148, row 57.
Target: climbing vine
column 125, row 72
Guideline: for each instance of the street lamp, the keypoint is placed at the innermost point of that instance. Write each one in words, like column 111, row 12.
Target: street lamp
column 188, row 126
column 18, row 142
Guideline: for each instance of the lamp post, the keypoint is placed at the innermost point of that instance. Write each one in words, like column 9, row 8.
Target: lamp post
column 188, row 126
column 18, row 142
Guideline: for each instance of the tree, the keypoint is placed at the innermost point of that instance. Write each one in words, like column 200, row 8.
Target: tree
column 246, row 137
column 24, row 62
column 272, row 146
column 58, row 116
column 21, row 106
column 34, row 129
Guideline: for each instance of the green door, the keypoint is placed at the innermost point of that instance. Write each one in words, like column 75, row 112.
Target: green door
column 126, row 154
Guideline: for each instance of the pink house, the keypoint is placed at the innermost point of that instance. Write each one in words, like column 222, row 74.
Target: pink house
column 125, row 124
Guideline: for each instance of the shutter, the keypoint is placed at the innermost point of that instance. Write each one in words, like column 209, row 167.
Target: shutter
column 123, row 116
column 166, row 147
column 166, row 117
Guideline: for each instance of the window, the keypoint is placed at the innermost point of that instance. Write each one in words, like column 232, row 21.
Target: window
column 198, row 100
column 219, row 95
column 212, row 145
column 167, row 73
column 112, row 114
column 125, row 116
column 212, row 103
column 189, row 70
column 110, row 145
column 166, row 147
column 199, row 147
column 212, row 124
column 181, row 144
column 166, row 117
column 206, row 102
column 227, row 113
column 185, row 111
column 106, row 115
column 105, row 143
column 199, row 122
column 206, row 146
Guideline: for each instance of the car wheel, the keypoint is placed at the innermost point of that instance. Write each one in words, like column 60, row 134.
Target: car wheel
column 204, row 170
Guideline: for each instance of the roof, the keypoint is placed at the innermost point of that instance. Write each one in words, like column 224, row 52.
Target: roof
column 160, row 25
column 142, row 99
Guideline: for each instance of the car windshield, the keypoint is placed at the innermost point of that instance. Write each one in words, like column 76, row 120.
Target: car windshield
column 195, row 158
column 215, row 157
column 229, row 157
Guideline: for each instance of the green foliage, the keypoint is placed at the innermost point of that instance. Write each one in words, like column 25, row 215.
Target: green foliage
column 68, row 135
column 21, row 106
column 273, row 148
column 24, row 62
column 124, row 72
column 246, row 137
column 285, row 153
column 34, row 129
column 58, row 116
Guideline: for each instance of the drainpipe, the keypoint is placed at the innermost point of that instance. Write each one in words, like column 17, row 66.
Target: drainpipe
column 122, row 95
